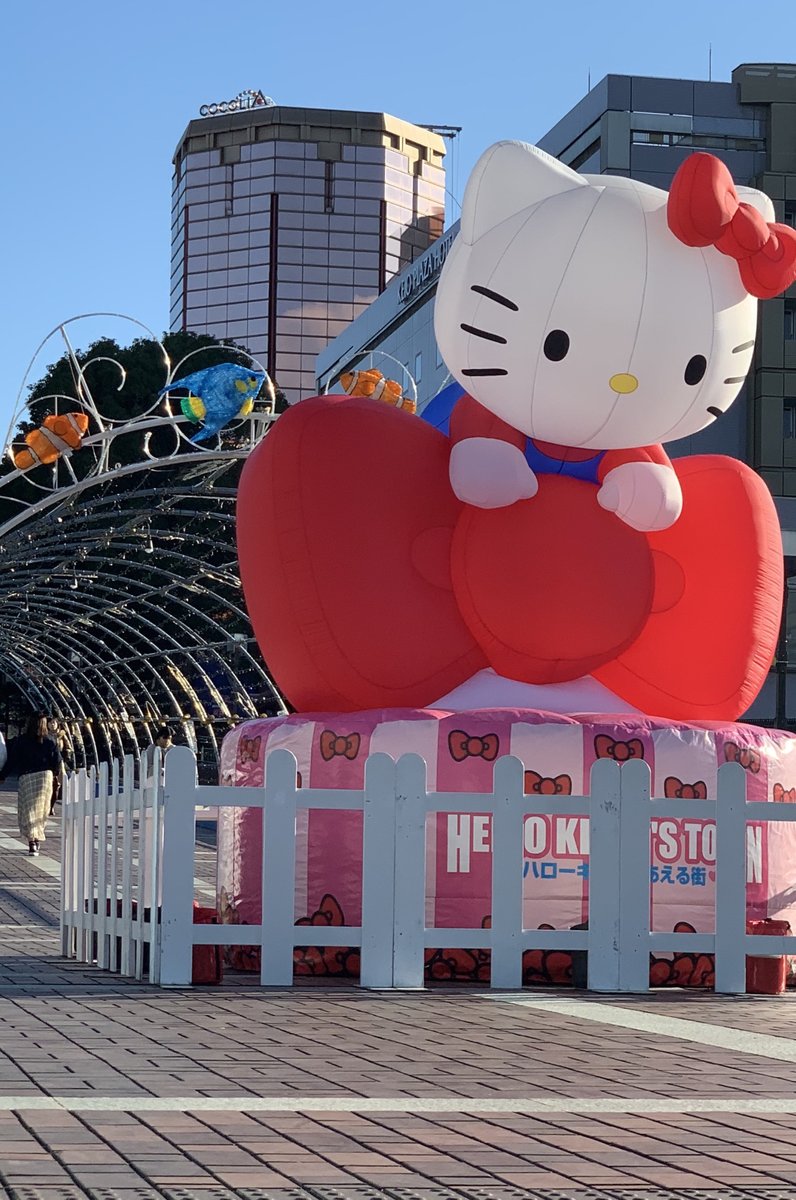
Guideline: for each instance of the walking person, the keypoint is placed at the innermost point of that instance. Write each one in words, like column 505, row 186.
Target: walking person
column 36, row 760
column 163, row 742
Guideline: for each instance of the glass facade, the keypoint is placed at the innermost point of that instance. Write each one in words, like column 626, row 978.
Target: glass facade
column 280, row 242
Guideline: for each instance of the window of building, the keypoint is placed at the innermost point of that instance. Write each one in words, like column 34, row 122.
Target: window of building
column 585, row 155
column 789, row 419
column 418, row 367
column 790, row 320
column 789, row 216
column 583, row 147
column 705, row 141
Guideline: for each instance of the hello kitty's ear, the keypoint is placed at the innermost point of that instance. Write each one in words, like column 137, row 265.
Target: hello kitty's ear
column 758, row 200
column 507, row 178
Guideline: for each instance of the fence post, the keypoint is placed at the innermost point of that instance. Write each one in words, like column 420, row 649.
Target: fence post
column 378, row 873
column 154, row 854
column 730, row 945
column 279, row 870
column 604, row 867
column 79, row 832
column 103, row 912
column 126, row 921
column 179, row 838
column 144, row 865
column 634, row 877
column 89, row 902
column 507, row 858
column 410, row 872
column 68, row 867
column 113, row 884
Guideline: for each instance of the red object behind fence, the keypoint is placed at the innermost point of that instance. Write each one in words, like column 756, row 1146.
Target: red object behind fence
column 767, row 976
column 208, row 966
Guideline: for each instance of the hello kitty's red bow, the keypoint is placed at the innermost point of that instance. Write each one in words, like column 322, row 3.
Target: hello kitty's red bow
column 249, row 749
column 748, row 758
column 704, row 210
column 675, row 789
column 334, row 745
column 462, row 746
column 606, row 747
column 544, row 785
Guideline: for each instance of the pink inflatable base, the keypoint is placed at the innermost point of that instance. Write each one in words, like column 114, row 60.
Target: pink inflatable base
column 558, row 752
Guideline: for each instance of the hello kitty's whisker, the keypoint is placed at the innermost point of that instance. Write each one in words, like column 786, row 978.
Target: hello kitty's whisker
column 735, row 379
column 496, row 296
column 743, row 346
column 477, row 371
column 716, row 412
column 483, row 333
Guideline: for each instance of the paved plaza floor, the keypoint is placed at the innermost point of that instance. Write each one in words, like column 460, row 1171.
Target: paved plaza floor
column 116, row 1090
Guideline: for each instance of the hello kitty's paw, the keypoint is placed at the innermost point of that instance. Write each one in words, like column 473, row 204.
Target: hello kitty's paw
column 489, row 473
column 645, row 495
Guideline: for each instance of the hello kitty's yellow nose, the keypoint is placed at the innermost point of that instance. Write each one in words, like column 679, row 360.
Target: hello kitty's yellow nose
column 623, row 383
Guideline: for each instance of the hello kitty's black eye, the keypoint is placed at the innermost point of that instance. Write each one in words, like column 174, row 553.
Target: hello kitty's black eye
column 556, row 345
column 695, row 369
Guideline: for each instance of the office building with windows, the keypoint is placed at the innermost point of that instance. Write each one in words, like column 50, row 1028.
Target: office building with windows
column 644, row 128
column 396, row 332
column 288, row 222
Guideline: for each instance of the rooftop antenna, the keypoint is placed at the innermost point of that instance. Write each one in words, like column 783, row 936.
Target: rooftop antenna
column 710, row 62
column 588, row 85
column 446, row 131
column 450, row 133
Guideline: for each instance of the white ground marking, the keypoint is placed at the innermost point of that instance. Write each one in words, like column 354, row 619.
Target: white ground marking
column 48, row 929
column 763, row 1044
column 28, row 883
column 351, row 1104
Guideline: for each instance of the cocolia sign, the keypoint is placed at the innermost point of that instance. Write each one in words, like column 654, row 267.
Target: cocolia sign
column 244, row 100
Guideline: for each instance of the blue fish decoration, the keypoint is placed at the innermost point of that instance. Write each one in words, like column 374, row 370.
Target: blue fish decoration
column 217, row 396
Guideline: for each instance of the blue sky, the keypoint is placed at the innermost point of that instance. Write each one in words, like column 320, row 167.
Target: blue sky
column 95, row 96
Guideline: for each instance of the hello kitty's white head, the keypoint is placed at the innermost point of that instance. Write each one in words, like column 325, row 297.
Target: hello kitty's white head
column 569, row 308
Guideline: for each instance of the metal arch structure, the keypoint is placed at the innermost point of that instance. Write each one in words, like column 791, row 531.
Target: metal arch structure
column 120, row 599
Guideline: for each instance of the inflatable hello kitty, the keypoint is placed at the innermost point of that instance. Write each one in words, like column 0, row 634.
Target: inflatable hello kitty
column 544, row 553
column 570, row 310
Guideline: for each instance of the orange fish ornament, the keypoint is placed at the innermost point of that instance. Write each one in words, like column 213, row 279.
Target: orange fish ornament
column 56, row 435
column 374, row 386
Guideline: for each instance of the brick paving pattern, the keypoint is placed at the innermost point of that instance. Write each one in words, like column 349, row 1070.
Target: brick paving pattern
column 114, row 1090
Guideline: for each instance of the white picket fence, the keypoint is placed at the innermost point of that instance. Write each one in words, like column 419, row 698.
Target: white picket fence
column 393, row 935
column 111, row 856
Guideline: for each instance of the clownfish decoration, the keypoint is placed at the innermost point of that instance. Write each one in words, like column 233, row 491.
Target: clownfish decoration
column 374, row 386
column 56, row 436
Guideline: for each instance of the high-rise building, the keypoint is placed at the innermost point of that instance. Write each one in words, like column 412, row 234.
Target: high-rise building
column 288, row 222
